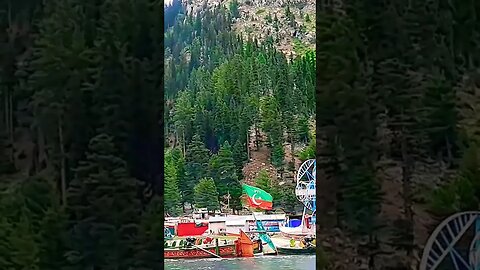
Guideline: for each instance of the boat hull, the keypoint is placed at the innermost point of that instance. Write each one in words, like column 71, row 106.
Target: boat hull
column 195, row 253
column 295, row 251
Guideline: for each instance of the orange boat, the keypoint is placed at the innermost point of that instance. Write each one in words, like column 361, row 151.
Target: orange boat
column 245, row 245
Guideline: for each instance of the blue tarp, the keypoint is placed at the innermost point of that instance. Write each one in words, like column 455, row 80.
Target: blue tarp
column 294, row 223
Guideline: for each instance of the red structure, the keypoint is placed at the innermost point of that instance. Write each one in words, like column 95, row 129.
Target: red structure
column 191, row 229
column 227, row 251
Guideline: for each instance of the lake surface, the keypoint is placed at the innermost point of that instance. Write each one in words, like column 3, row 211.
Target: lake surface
column 293, row 262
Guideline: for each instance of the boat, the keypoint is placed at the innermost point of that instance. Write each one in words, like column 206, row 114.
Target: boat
column 296, row 250
column 180, row 249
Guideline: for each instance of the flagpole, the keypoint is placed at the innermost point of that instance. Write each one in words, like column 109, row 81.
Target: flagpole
column 260, row 228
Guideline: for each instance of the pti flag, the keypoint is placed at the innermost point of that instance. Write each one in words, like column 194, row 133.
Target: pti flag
column 258, row 198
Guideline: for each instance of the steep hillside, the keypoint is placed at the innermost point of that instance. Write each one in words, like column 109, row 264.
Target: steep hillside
column 230, row 108
column 398, row 141
column 290, row 25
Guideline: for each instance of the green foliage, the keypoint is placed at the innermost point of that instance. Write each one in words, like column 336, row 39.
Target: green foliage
column 6, row 165
column 32, row 226
column 105, row 208
column 462, row 194
column 150, row 235
column 206, row 195
column 223, row 170
column 299, row 47
column 361, row 203
column 172, row 195
column 278, row 156
column 309, row 151
column 268, row 18
column 260, row 11
column 454, row 197
column 264, row 182
column 197, row 159
column 284, row 196
column 233, row 7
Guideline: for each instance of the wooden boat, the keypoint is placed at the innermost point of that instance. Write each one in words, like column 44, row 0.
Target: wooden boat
column 296, row 250
column 176, row 250
column 227, row 251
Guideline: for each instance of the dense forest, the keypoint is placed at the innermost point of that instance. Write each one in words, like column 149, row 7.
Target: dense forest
column 397, row 125
column 83, row 95
column 82, row 137
column 81, row 134
column 221, row 93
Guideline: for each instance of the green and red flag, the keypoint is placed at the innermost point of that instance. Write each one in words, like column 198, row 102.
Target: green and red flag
column 258, row 198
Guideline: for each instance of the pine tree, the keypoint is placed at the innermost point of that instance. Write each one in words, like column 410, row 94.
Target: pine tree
column 149, row 239
column 278, row 155
column 196, row 166
column 172, row 196
column 206, row 195
column 104, row 207
column 263, row 181
column 32, row 226
column 239, row 154
column 223, row 170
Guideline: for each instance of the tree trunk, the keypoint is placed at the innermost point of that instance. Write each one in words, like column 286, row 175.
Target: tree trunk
column 292, row 149
column 329, row 185
column 248, row 145
column 62, row 161
column 327, row 202
column 184, row 146
column 175, row 139
column 9, row 85
column 257, row 135
column 10, row 121
column 406, row 180
column 449, row 151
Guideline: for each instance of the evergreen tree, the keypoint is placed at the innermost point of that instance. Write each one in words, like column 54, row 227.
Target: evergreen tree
column 150, row 235
column 263, row 181
column 196, row 166
column 278, row 155
column 172, row 196
column 105, row 209
column 206, row 195
column 223, row 170
column 234, row 9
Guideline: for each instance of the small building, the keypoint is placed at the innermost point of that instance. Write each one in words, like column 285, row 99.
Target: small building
column 216, row 225
column 233, row 226
column 271, row 223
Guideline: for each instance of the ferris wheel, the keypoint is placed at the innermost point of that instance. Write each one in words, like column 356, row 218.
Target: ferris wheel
column 305, row 189
column 442, row 248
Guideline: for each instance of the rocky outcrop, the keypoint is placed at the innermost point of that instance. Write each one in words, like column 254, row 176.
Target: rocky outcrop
column 257, row 20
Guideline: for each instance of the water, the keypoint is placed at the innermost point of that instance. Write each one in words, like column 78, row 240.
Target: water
column 293, row 262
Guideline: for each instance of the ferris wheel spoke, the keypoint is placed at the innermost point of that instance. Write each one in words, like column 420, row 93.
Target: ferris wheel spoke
column 305, row 188
column 443, row 240
column 458, row 260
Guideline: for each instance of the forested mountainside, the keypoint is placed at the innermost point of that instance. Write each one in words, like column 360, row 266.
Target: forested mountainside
column 229, row 101
column 397, row 121
column 81, row 138
column 288, row 24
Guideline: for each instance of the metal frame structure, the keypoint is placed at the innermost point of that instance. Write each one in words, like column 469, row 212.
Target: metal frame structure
column 306, row 187
column 442, row 241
